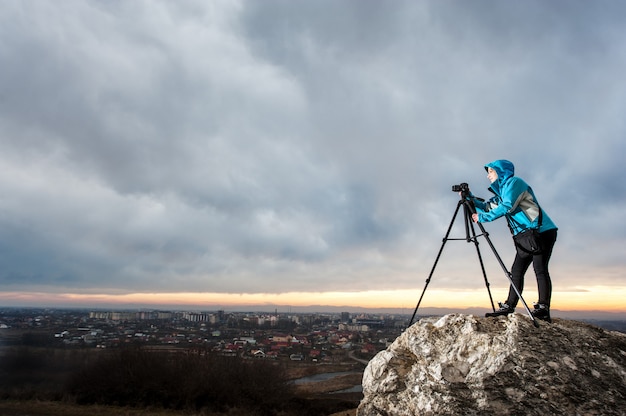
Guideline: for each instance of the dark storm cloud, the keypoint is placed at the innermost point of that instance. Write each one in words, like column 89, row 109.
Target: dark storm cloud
column 279, row 145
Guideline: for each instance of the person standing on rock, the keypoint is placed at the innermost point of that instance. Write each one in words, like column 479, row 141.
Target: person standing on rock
column 515, row 200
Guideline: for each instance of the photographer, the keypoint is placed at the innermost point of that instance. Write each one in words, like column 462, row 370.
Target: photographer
column 516, row 201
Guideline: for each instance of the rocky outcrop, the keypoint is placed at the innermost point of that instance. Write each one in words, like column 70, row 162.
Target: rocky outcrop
column 465, row 365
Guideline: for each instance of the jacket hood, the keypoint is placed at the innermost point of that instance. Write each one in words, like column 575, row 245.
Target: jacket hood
column 504, row 169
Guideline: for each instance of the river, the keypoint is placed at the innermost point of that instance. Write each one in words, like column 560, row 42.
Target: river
column 328, row 376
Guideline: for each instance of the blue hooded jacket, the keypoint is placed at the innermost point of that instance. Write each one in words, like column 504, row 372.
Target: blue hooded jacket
column 513, row 199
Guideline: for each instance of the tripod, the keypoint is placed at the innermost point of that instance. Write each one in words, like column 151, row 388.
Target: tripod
column 468, row 210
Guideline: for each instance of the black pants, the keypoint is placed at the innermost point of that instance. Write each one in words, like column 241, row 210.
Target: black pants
column 540, row 264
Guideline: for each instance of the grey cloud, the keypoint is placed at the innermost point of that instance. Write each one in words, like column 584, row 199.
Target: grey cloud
column 293, row 145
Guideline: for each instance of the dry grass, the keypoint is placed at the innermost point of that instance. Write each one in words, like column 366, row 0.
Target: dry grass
column 351, row 412
column 49, row 408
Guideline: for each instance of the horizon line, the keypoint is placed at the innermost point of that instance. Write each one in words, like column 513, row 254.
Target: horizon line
column 309, row 309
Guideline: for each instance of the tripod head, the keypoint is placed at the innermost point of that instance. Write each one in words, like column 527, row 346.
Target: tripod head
column 466, row 196
column 463, row 188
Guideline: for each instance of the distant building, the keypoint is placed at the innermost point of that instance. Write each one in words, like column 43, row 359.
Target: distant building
column 345, row 317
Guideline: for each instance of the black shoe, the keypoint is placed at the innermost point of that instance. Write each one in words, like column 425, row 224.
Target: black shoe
column 505, row 309
column 542, row 311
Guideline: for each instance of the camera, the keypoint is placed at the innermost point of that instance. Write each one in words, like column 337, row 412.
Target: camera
column 463, row 188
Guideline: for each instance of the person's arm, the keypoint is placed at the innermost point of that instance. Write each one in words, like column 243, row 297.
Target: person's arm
column 510, row 194
column 480, row 204
column 483, row 207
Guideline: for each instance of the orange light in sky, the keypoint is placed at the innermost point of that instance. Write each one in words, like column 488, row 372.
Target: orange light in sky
column 610, row 299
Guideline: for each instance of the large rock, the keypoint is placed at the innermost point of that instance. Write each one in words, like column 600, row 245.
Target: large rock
column 464, row 365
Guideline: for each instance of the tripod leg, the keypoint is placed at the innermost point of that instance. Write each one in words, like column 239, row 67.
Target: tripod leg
column 480, row 258
column 445, row 239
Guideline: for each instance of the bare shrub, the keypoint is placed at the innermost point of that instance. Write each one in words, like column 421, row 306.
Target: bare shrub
column 140, row 378
column 36, row 373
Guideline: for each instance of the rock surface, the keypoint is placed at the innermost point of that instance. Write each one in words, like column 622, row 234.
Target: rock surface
column 465, row 365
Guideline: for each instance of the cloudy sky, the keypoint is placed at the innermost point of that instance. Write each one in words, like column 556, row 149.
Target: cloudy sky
column 303, row 152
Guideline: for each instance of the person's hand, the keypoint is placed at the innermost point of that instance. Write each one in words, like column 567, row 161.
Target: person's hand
column 475, row 217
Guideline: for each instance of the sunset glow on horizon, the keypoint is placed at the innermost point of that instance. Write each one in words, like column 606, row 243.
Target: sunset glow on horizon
column 608, row 299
